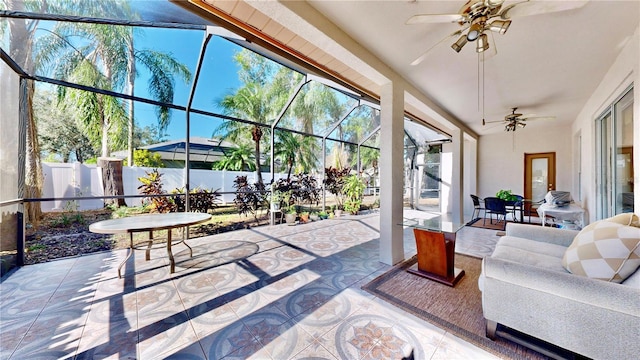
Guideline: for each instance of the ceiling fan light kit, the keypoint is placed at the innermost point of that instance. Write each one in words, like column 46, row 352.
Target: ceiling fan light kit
column 474, row 31
column 462, row 41
column 476, row 17
column 483, row 43
column 500, row 26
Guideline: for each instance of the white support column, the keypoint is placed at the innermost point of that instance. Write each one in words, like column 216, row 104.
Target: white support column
column 391, row 173
column 470, row 174
column 457, row 176
column 453, row 175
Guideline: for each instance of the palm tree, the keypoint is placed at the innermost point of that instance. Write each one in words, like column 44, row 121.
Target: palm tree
column 163, row 69
column 264, row 90
column 105, row 60
column 21, row 37
column 292, row 150
column 238, row 159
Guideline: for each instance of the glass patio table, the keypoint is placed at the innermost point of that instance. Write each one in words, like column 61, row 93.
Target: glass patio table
column 435, row 244
column 150, row 222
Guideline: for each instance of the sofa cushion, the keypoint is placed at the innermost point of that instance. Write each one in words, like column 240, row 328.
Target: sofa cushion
column 604, row 250
column 530, row 252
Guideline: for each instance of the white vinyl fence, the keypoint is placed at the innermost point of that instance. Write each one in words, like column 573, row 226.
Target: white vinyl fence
column 63, row 180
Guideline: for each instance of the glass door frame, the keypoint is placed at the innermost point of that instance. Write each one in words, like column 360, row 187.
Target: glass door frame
column 607, row 142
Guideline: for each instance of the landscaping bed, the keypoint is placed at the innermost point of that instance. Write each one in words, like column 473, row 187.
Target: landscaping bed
column 65, row 234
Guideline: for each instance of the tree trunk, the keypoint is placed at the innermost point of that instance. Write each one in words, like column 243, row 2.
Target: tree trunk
column 112, row 180
column 21, row 47
column 257, row 135
column 131, row 82
column 34, row 178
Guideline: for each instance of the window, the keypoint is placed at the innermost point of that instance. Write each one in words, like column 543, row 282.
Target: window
column 614, row 162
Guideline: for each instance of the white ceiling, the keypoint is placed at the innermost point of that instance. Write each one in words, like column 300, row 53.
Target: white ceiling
column 546, row 64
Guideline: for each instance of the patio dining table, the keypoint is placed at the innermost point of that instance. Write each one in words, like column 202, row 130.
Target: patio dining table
column 150, row 222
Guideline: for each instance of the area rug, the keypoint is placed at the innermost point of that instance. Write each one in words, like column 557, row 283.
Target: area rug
column 458, row 310
column 480, row 223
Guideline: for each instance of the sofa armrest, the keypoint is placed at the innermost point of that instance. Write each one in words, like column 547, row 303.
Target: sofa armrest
column 544, row 234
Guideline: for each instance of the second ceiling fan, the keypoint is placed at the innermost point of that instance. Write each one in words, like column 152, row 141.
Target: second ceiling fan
column 515, row 120
column 476, row 18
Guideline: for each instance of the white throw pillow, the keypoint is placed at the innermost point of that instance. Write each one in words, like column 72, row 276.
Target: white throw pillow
column 605, row 250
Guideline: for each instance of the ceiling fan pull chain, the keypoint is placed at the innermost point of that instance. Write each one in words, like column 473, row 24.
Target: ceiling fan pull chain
column 483, row 88
column 478, row 82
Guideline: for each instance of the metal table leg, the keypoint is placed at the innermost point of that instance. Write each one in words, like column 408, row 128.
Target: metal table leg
column 128, row 255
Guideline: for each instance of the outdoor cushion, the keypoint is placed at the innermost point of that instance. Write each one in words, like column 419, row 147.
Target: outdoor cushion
column 604, row 250
column 630, row 219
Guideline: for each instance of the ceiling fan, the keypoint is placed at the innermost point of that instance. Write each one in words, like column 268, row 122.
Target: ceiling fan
column 477, row 18
column 515, row 120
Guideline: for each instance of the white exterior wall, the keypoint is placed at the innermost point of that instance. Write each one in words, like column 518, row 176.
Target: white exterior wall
column 78, row 180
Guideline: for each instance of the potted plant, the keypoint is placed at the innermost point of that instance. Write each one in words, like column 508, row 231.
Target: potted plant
column 353, row 190
column 336, row 210
column 291, row 215
column 323, row 215
column 314, row 216
column 276, row 197
column 506, row 195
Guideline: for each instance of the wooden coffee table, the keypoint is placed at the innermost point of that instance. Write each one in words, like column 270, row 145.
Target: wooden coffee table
column 149, row 222
column 435, row 244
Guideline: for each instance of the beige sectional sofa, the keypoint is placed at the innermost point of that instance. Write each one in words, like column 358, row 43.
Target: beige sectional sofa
column 526, row 287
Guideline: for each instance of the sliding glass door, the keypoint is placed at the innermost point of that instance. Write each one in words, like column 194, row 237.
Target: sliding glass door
column 614, row 133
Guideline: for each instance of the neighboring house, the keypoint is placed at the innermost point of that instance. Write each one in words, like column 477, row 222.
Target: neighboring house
column 203, row 152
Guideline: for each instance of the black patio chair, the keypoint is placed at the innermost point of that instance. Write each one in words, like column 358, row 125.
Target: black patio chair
column 477, row 207
column 495, row 206
column 516, row 206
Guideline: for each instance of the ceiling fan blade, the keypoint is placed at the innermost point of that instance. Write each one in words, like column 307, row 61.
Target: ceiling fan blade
column 528, row 118
column 533, row 7
column 495, row 121
column 424, row 55
column 434, row 18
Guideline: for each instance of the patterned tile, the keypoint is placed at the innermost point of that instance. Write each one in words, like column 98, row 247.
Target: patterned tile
column 273, row 292
column 163, row 330
column 452, row 347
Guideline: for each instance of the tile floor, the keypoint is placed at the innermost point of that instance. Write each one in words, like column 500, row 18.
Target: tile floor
column 275, row 292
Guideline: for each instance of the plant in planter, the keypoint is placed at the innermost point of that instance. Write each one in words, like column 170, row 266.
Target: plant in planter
column 353, row 190
column 291, row 215
column 304, row 216
column 276, row 199
column 506, row 195
column 336, row 210
column 314, row 216
column 323, row 215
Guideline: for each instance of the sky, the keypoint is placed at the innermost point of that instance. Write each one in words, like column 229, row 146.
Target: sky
column 219, row 76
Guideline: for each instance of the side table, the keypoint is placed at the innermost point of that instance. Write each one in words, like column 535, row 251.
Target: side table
column 435, row 245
